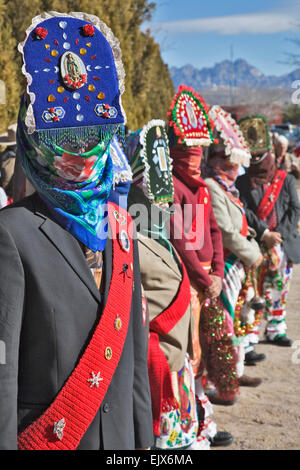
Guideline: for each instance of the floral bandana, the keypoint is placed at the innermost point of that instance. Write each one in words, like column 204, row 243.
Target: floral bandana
column 75, row 187
column 224, row 172
column 122, row 174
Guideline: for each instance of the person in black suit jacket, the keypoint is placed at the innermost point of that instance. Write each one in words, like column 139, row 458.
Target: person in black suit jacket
column 49, row 306
column 273, row 210
column 74, row 375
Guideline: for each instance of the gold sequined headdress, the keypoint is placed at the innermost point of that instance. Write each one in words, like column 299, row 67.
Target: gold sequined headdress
column 256, row 132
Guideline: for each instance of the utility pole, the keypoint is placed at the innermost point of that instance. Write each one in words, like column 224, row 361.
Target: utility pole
column 232, row 76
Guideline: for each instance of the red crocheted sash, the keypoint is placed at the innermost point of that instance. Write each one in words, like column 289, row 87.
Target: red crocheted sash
column 63, row 424
column 271, row 195
column 162, row 394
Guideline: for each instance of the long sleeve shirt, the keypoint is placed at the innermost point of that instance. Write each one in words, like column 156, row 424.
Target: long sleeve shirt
column 208, row 248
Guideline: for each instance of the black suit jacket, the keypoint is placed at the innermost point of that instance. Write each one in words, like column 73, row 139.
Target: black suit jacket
column 287, row 209
column 49, row 307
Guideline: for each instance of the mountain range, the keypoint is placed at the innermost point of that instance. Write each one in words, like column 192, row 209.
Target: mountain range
column 236, row 82
column 228, row 73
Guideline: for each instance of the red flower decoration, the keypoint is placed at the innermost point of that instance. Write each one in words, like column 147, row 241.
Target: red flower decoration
column 88, row 30
column 40, row 33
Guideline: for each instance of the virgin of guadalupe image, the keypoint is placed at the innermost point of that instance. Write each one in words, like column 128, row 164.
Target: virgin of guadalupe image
column 71, row 67
column 191, row 114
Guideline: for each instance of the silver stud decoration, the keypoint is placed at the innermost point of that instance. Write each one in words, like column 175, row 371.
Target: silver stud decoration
column 58, row 429
column 95, row 380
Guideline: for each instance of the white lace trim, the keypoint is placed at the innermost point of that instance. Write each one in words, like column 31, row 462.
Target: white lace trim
column 237, row 155
column 197, row 142
column 146, row 128
column 101, row 26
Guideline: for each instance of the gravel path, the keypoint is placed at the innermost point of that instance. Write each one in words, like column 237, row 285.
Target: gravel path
column 268, row 417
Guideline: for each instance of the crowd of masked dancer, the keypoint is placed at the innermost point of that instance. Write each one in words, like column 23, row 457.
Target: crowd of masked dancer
column 216, row 218
column 217, row 225
column 216, row 276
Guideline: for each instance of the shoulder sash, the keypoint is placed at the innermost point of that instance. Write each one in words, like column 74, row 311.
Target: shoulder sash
column 63, row 424
column 162, row 394
column 271, row 195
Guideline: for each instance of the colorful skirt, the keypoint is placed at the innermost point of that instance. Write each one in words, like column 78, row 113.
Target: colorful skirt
column 179, row 427
column 237, row 293
column 274, row 282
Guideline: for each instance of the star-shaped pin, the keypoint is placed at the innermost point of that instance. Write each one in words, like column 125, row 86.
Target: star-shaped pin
column 95, row 379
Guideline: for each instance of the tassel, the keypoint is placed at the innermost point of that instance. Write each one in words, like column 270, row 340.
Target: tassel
column 77, row 136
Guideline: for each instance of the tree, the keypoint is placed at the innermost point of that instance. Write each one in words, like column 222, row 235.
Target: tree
column 8, row 71
column 292, row 114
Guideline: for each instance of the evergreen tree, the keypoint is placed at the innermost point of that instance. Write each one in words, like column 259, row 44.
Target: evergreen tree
column 8, row 70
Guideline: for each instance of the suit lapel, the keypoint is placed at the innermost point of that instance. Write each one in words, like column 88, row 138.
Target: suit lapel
column 159, row 251
column 68, row 247
column 107, row 267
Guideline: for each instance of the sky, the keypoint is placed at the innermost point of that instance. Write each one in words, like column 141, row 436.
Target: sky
column 203, row 32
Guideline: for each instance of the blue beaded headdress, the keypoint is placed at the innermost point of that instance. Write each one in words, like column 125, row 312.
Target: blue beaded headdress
column 75, row 79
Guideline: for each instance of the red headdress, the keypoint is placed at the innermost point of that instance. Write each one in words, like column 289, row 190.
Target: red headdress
column 188, row 117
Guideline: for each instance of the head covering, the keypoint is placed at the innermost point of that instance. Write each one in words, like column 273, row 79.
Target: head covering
column 230, row 139
column 122, row 174
column 75, row 77
column 262, row 171
column 256, row 132
column 71, row 111
column 149, row 156
column 188, row 119
column 228, row 151
column 190, row 128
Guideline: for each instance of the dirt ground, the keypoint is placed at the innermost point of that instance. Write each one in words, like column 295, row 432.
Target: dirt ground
column 268, row 417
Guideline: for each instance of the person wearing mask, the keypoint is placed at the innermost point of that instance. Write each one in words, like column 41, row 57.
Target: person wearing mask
column 241, row 251
column 273, row 210
column 75, row 375
column 194, row 230
column 176, row 422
